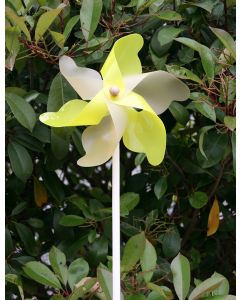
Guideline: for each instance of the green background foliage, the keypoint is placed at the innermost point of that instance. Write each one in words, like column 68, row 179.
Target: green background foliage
column 58, row 215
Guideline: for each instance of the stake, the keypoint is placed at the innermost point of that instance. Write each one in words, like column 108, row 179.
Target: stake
column 116, row 224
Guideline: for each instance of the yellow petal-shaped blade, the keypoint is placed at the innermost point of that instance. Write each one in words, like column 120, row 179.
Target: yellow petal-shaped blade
column 134, row 100
column 122, row 60
column 86, row 82
column 213, row 218
column 99, row 142
column 77, row 113
column 159, row 88
column 146, row 133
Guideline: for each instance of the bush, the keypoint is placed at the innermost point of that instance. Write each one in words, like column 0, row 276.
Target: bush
column 58, row 216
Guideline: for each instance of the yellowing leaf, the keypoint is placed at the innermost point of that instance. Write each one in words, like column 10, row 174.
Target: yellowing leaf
column 40, row 193
column 213, row 218
column 58, row 38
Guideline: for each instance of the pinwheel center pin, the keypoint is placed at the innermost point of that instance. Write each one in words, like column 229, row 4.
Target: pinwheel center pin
column 114, row 91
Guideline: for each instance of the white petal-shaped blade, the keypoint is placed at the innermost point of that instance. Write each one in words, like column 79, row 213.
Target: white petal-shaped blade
column 86, row 82
column 159, row 88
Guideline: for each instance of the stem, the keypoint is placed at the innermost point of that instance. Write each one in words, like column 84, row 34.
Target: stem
column 116, row 224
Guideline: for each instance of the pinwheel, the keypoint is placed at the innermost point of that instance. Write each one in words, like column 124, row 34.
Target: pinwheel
column 124, row 103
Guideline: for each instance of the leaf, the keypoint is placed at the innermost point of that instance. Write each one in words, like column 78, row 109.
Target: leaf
column 58, row 262
column 60, row 92
column 207, row 5
column 179, row 112
column 69, row 26
column 19, row 208
column 205, row 109
column 198, row 200
column 9, row 246
column 128, row 202
column 183, row 73
column 13, row 46
column 168, row 15
column 22, row 111
column 35, row 222
column 42, row 274
column 225, row 297
column 80, row 291
column 21, row 162
column 180, row 268
column 207, row 285
column 72, row 220
column 104, row 278
column 133, row 251
column 58, row 38
column 77, row 270
column 54, row 186
column 89, row 16
column 207, row 57
column 160, row 187
column 203, row 130
column 223, row 289
column 19, row 21
column 27, row 238
column 148, row 261
column 15, row 279
column 163, row 291
column 230, row 122
column 226, row 39
column 40, row 193
column 44, row 22
column 214, row 146
column 213, row 218
column 135, row 297
column 98, row 251
column 171, row 242
column 60, row 141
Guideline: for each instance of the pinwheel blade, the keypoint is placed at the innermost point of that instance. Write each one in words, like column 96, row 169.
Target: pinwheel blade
column 146, row 133
column 122, row 60
column 86, row 82
column 159, row 88
column 77, row 113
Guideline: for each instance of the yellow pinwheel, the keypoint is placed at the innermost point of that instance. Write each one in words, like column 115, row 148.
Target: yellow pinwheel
column 124, row 103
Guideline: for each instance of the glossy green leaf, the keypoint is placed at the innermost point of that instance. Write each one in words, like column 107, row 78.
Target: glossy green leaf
column 60, row 141
column 133, row 251
column 13, row 46
column 58, row 38
column 207, row 285
column 60, row 92
column 205, row 109
column 160, row 187
column 207, row 57
column 41, row 273
column 69, row 26
column 54, row 186
column 148, row 261
column 135, row 297
column 104, row 278
column 203, row 131
column 22, row 111
column 169, row 15
column 77, row 270
column 89, row 16
column 171, row 242
column 180, row 268
column 72, row 220
column 226, row 39
column 9, row 247
column 58, row 262
column 230, row 122
column 198, row 200
column 98, row 251
column 19, row 21
column 44, row 22
column 179, row 112
column 27, row 239
column 128, row 202
column 155, row 296
column 20, row 160
column 15, row 279
column 183, row 73
column 82, row 290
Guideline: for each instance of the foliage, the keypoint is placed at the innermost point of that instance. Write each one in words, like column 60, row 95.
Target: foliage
column 58, row 215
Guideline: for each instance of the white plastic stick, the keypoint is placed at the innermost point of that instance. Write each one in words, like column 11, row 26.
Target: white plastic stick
column 116, row 224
